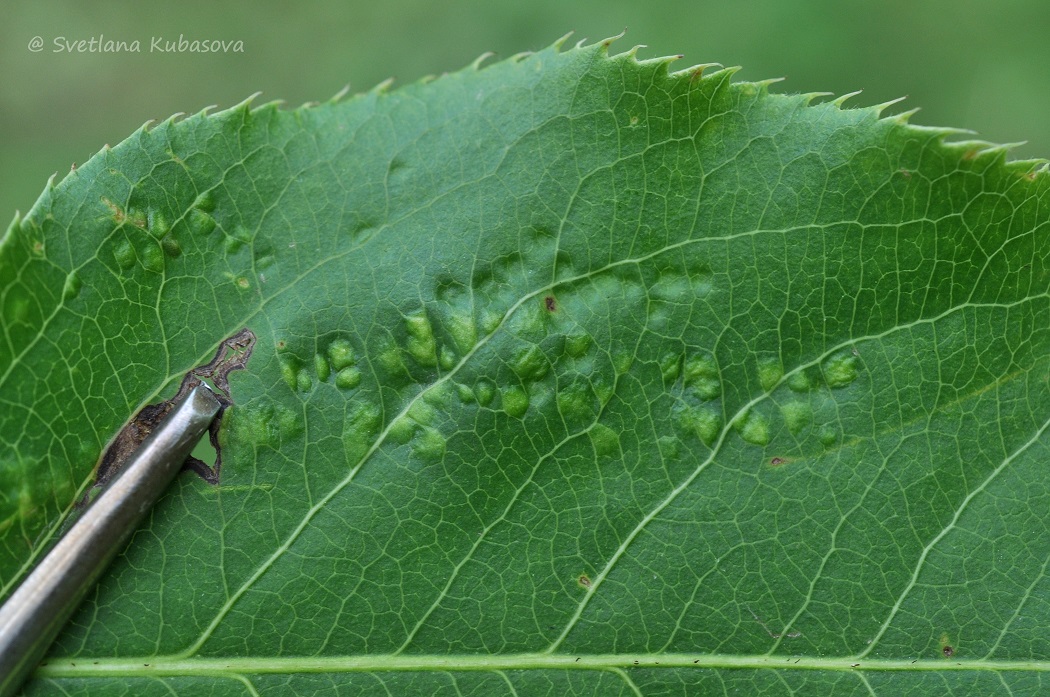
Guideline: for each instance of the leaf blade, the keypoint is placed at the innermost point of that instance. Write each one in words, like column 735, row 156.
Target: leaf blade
column 568, row 298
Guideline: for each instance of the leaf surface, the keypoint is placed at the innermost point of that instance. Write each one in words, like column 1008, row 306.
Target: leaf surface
column 573, row 375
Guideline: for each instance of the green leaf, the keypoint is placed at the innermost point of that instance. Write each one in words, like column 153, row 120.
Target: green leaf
column 573, row 375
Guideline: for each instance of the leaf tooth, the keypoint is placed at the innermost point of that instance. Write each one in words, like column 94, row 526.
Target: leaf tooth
column 383, row 87
column 632, row 53
column 980, row 149
column 695, row 72
column 340, row 95
column 476, row 63
column 1029, row 168
column 977, row 147
column 557, row 45
column 904, row 117
column 272, row 105
column 203, row 113
column 763, row 85
column 1000, row 151
column 724, row 74
column 664, row 61
column 607, row 42
column 808, row 97
column 519, row 57
column 840, row 101
column 971, row 144
column 941, row 131
column 242, row 107
column 246, row 105
column 1007, row 147
column 879, row 108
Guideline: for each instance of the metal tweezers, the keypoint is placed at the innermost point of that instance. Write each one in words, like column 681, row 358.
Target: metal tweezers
column 33, row 615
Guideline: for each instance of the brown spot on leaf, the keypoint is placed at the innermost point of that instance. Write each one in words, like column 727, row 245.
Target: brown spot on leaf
column 584, row 580
column 550, row 303
column 948, row 651
column 118, row 212
column 778, row 461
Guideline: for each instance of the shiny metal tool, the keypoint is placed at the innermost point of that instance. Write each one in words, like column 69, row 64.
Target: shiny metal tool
column 40, row 607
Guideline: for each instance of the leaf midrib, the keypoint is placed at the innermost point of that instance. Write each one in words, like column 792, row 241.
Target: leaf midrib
column 167, row 666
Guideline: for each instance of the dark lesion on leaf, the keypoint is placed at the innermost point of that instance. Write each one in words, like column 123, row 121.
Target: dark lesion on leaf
column 233, row 354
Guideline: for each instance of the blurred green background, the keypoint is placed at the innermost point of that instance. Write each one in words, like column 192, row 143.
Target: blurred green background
column 975, row 64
